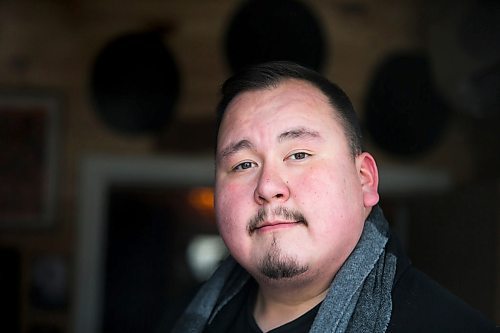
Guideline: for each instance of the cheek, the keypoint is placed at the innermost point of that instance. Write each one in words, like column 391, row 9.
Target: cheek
column 330, row 203
column 326, row 195
column 230, row 211
column 313, row 188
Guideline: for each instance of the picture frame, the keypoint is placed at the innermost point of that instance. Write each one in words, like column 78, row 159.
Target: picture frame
column 28, row 157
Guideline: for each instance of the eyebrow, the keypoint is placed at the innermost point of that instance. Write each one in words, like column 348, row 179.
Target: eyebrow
column 299, row 132
column 233, row 148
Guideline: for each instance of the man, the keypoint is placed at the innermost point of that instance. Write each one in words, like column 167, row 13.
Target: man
column 296, row 204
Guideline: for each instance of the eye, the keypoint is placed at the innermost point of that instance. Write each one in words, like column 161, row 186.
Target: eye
column 299, row 156
column 244, row 166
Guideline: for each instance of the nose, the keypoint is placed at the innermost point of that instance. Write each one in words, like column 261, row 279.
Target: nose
column 271, row 187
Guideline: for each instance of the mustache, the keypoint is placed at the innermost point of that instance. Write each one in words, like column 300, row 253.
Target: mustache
column 277, row 212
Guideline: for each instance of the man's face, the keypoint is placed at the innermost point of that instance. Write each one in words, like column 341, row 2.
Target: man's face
column 290, row 198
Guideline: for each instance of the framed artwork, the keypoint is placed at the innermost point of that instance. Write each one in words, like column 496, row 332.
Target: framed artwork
column 28, row 142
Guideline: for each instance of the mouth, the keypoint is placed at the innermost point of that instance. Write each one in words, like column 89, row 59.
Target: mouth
column 275, row 219
column 277, row 225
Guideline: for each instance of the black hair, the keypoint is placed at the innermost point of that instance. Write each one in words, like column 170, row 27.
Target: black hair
column 271, row 74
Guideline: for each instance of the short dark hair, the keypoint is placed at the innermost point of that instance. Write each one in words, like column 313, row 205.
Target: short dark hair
column 271, row 74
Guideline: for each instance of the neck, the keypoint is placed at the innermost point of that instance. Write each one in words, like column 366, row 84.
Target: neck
column 277, row 306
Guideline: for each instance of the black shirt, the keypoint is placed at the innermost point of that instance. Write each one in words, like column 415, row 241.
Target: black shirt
column 237, row 316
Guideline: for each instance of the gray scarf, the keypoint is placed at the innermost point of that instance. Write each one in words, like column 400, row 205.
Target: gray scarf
column 359, row 299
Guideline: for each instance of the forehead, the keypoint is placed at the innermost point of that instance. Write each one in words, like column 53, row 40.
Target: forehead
column 285, row 97
column 290, row 98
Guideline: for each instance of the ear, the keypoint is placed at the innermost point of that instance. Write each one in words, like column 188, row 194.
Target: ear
column 368, row 176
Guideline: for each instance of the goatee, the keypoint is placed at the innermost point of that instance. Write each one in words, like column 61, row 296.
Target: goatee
column 277, row 266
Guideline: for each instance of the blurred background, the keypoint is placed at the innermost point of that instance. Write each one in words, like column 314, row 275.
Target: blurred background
column 106, row 143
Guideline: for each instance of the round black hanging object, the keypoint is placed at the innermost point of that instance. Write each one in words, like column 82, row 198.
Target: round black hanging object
column 135, row 83
column 404, row 113
column 266, row 30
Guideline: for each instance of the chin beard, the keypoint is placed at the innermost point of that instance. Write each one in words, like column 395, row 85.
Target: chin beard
column 277, row 266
